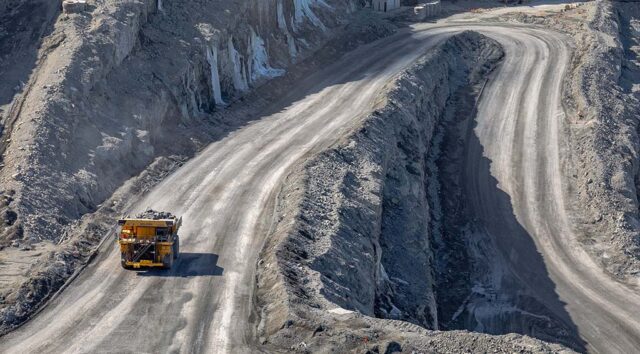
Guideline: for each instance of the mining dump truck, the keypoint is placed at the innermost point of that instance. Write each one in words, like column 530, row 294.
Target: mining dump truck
column 149, row 240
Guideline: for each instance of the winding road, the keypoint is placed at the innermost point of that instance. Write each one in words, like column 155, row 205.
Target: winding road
column 226, row 196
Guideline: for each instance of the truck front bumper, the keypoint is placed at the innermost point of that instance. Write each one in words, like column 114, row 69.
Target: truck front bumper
column 143, row 263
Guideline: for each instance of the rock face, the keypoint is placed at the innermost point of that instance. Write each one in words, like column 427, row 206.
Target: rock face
column 355, row 240
column 605, row 143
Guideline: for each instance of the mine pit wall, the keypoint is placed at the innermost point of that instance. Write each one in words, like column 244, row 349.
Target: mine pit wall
column 24, row 25
column 626, row 177
column 360, row 238
column 628, row 15
column 121, row 87
column 604, row 142
column 125, row 82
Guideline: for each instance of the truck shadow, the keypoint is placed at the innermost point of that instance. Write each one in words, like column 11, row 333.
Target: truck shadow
column 189, row 265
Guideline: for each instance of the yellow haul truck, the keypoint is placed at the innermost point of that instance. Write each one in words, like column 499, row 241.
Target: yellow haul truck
column 149, row 240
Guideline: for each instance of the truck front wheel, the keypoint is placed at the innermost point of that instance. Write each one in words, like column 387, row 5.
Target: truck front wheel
column 176, row 247
column 167, row 261
column 123, row 263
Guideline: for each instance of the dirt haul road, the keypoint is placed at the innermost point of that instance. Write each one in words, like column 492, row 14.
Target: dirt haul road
column 226, row 197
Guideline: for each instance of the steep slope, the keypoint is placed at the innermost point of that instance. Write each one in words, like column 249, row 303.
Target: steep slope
column 605, row 144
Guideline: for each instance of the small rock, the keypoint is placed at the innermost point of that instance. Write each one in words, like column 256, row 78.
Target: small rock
column 318, row 329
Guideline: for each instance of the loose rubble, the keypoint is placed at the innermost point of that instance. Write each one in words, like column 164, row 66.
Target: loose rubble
column 154, row 215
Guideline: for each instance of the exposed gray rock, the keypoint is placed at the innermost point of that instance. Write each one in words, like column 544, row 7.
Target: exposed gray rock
column 605, row 144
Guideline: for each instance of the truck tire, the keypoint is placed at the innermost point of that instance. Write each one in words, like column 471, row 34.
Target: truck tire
column 176, row 247
column 167, row 261
column 123, row 263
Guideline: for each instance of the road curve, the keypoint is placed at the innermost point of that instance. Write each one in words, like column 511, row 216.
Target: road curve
column 226, row 196
column 521, row 129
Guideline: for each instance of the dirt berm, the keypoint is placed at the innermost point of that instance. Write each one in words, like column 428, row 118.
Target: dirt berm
column 352, row 252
